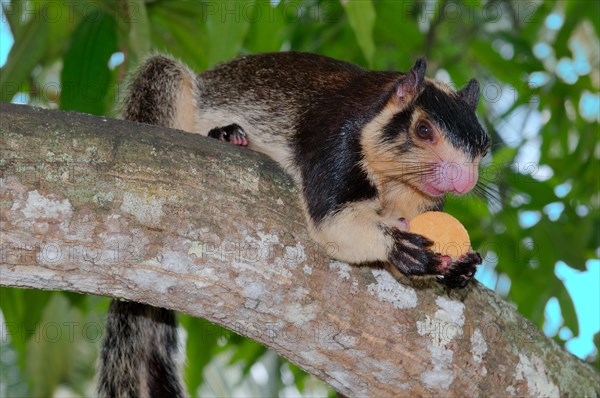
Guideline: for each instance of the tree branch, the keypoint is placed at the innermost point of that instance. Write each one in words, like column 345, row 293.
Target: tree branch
column 175, row 220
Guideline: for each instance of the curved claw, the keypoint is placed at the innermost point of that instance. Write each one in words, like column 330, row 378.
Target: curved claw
column 233, row 134
column 458, row 273
column 411, row 254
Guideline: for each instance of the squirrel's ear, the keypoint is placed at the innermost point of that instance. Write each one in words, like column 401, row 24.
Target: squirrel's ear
column 412, row 82
column 470, row 93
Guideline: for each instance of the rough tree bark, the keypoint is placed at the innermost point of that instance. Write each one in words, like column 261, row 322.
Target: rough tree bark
column 175, row 220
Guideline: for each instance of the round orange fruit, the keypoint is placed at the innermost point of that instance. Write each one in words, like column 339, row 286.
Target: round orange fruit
column 449, row 236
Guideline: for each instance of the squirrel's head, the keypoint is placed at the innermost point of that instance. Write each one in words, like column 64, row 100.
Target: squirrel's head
column 426, row 137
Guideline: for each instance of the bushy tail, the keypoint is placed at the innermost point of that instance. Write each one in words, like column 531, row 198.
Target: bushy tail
column 140, row 345
column 162, row 92
column 138, row 353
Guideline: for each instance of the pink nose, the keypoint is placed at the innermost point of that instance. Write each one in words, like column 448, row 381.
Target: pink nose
column 463, row 187
column 465, row 180
column 452, row 177
column 455, row 177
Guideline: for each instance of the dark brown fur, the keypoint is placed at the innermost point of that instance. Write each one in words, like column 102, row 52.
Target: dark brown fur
column 368, row 150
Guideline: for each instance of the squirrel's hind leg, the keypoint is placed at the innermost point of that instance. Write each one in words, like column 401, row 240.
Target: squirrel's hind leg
column 233, row 134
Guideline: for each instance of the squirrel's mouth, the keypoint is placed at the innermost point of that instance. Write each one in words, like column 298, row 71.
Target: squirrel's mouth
column 448, row 177
column 432, row 190
column 437, row 189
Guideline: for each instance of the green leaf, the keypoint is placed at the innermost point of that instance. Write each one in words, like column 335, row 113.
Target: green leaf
column 22, row 310
column 76, row 300
column 85, row 76
column 133, row 28
column 541, row 193
column 226, row 30
column 59, row 348
column 175, row 30
column 361, row 16
column 558, row 236
column 267, row 27
column 13, row 12
column 248, row 352
column 63, row 18
column 499, row 67
column 597, row 344
column 397, row 27
column 27, row 51
column 574, row 13
column 531, row 289
column 139, row 30
column 567, row 309
column 202, row 340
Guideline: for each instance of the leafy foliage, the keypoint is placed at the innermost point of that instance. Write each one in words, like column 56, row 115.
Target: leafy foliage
column 537, row 62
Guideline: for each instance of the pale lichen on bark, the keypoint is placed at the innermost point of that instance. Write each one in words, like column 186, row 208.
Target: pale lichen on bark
column 179, row 221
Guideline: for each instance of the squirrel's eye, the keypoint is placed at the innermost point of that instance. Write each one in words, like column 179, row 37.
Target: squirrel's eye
column 425, row 131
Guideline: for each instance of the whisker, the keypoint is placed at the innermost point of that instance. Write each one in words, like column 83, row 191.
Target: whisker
column 489, row 193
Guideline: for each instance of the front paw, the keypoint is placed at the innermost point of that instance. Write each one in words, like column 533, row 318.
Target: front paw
column 411, row 253
column 457, row 274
